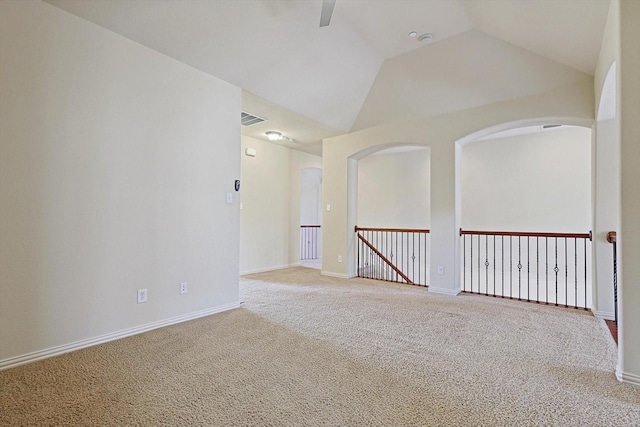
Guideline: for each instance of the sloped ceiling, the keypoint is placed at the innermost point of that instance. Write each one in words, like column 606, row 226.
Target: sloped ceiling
column 364, row 69
column 466, row 71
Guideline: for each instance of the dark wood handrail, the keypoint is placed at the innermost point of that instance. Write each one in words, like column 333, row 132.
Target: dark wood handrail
column 611, row 237
column 310, row 226
column 528, row 234
column 397, row 230
column 383, row 258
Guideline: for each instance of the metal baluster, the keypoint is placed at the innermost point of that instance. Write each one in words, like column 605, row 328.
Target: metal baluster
column 413, row 257
column 486, row 265
column 556, row 269
column 397, row 257
column 359, row 243
column 585, row 273
column 502, row 263
column 494, row 265
column 464, row 262
column 370, row 255
column 479, row 257
column 384, row 266
column 615, row 282
column 575, row 269
column 407, row 255
column 566, row 274
column 546, row 269
column 420, row 261
column 537, row 270
column 510, row 266
column 471, row 261
column 519, row 268
column 528, row 270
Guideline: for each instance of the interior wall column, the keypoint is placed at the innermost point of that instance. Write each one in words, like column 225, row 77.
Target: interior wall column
column 629, row 237
column 444, row 237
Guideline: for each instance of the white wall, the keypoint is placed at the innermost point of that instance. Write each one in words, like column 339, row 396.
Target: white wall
column 607, row 212
column 394, row 190
column 629, row 236
column 270, row 215
column 265, row 214
column 114, row 165
column 606, row 164
column 311, row 196
column 534, row 182
column 573, row 103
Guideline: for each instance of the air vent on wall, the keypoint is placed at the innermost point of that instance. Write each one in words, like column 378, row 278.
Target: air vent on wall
column 550, row 126
column 250, row 119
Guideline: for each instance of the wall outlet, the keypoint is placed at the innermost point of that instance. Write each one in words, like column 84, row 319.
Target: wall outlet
column 183, row 288
column 142, row 296
column 441, row 270
column 339, row 258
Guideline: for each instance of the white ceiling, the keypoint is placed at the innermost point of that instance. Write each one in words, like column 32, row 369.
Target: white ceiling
column 363, row 69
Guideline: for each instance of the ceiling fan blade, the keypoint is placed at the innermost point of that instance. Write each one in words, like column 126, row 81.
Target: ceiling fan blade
column 327, row 11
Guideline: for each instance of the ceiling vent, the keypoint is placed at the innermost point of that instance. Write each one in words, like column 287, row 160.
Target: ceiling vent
column 249, row 119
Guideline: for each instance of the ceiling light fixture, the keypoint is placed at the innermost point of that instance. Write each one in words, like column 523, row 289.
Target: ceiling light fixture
column 273, row 135
column 413, row 34
column 426, row 37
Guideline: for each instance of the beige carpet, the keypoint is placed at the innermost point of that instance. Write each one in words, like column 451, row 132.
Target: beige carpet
column 310, row 350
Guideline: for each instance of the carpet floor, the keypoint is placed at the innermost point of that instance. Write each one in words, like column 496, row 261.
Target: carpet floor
column 305, row 349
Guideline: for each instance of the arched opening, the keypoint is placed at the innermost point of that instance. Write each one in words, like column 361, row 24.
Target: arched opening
column 311, row 217
column 524, row 211
column 389, row 199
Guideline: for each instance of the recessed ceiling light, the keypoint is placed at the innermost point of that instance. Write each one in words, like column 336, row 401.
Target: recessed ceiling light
column 426, row 37
column 413, row 34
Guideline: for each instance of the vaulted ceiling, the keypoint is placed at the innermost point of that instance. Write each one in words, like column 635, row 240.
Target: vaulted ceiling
column 364, row 69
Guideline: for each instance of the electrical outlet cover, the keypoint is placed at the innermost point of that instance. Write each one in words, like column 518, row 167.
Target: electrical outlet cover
column 142, row 296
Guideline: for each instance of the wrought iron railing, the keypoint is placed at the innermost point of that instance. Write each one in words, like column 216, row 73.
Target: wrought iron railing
column 550, row 268
column 393, row 254
column 612, row 238
column 309, row 242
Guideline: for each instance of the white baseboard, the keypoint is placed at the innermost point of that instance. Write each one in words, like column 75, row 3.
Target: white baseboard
column 338, row 275
column 608, row 315
column 628, row 378
column 444, row 291
column 265, row 269
column 12, row 362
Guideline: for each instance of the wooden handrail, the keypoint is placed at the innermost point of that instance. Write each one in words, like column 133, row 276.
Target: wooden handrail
column 398, row 230
column 611, row 237
column 383, row 258
column 310, row 226
column 528, row 234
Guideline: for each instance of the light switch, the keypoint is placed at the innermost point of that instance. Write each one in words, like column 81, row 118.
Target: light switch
column 328, row 207
column 229, row 198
